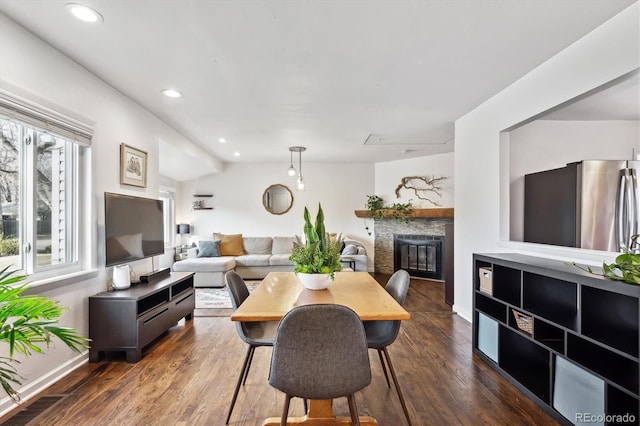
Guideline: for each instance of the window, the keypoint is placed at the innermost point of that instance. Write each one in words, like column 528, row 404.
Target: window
column 169, row 209
column 40, row 168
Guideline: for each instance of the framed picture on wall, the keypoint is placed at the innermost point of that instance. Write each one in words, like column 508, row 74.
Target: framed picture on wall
column 133, row 166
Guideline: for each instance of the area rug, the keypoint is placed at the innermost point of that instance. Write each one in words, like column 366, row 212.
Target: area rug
column 216, row 302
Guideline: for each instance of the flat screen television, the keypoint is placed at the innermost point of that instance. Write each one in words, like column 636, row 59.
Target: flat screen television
column 134, row 228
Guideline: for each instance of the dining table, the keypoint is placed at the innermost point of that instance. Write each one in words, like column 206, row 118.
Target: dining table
column 279, row 292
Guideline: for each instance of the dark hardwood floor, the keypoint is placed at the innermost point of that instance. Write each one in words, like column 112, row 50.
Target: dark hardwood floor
column 187, row 377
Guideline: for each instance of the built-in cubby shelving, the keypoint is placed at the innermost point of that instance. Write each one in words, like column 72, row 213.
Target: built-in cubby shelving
column 581, row 353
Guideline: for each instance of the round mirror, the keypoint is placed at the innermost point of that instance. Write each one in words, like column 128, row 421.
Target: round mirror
column 277, row 199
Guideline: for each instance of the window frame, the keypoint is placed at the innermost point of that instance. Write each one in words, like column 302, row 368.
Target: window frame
column 169, row 219
column 80, row 251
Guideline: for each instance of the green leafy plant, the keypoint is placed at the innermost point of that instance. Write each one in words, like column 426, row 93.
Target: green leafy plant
column 401, row 210
column 625, row 268
column 27, row 322
column 375, row 205
column 378, row 210
column 318, row 254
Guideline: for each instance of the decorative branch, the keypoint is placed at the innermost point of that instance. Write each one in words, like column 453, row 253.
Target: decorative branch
column 431, row 186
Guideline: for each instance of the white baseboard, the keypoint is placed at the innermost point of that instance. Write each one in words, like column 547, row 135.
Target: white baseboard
column 42, row 383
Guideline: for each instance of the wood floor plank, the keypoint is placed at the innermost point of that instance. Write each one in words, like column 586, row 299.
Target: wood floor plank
column 187, row 377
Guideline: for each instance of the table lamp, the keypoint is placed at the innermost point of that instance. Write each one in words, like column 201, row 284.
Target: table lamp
column 183, row 229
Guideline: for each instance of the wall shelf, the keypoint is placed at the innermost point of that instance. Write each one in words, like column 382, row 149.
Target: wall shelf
column 199, row 204
column 416, row 213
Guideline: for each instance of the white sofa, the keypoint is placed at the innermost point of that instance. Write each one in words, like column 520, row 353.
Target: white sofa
column 261, row 256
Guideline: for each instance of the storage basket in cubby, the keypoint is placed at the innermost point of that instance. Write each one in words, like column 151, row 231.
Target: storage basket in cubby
column 486, row 282
column 524, row 322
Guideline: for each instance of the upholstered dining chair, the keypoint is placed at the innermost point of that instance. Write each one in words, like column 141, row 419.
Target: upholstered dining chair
column 320, row 352
column 255, row 334
column 381, row 334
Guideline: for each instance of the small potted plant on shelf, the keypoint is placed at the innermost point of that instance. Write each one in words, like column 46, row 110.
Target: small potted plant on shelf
column 378, row 210
column 26, row 323
column 317, row 259
column 626, row 266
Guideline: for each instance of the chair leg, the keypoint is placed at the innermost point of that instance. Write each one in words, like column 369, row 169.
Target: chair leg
column 250, row 350
column 246, row 371
column 353, row 411
column 384, row 368
column 285, row 411
column 395, row 382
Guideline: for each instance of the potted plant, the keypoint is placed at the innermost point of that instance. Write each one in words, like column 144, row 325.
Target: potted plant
column 378, row 210
column 27, row 322
column 317, row 259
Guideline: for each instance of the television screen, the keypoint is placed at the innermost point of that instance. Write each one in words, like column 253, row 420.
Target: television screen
column 134, row 228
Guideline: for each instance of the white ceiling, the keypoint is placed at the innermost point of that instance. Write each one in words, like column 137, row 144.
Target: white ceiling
column 328, row 75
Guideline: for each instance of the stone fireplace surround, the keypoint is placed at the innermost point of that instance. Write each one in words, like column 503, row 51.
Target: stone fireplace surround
column 385, row 228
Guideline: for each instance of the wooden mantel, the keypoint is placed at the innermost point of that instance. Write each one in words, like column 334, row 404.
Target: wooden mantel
column 416, row 213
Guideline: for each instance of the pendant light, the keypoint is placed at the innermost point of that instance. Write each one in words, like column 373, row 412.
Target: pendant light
column 300, row 185
column 291, row 171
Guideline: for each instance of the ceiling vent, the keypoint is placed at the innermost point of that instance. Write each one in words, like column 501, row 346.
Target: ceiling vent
column 393, row 140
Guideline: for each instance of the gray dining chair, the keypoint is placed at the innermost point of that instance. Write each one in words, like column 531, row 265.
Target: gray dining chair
column 255, row 334
column 320, row 352
column 381, row 334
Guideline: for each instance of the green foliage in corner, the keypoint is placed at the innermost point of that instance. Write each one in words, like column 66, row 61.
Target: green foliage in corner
column 318, row 254
column 626, row 268
column 27, row 322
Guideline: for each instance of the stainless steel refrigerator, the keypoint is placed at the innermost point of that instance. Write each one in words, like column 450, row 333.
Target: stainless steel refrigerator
column 592, row 204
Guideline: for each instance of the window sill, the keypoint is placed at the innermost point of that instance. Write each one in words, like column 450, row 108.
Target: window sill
column 62, row 280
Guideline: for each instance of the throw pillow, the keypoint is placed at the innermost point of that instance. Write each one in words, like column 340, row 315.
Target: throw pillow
column 350, row 249
column 230, row 245
column 209, row 249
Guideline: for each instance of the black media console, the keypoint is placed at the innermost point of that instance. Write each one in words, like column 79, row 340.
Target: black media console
column 128, row 320
column 568, row 339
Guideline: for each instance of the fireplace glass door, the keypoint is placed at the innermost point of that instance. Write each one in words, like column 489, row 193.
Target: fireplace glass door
column 420, row 255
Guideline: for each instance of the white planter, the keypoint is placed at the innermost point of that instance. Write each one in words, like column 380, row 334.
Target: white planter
column 315, row 281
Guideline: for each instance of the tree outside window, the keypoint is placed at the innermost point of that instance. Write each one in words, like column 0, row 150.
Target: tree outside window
column 37, row 198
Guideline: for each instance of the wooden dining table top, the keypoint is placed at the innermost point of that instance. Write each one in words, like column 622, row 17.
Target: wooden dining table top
column 279, row 292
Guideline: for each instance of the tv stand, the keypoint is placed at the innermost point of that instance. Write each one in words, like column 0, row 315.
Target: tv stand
column 128, row 320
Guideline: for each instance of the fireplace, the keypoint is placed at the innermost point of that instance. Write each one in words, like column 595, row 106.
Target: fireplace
column 420, row 255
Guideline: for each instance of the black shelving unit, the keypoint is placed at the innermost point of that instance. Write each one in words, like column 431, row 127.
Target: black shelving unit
column 581, row 356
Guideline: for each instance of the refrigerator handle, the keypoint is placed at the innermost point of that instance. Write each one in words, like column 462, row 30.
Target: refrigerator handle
column 622, row 203
column 632, row 212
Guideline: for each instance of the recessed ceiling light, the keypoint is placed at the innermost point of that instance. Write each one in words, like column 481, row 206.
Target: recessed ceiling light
column 222, row 140
column 237, row 154
column 84, row 13
column 170, row 93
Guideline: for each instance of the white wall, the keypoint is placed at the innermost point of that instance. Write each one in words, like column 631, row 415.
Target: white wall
column 389, row 175
column 569, row 141
column 481, row 163
column 29, row 63
column 341, row 188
